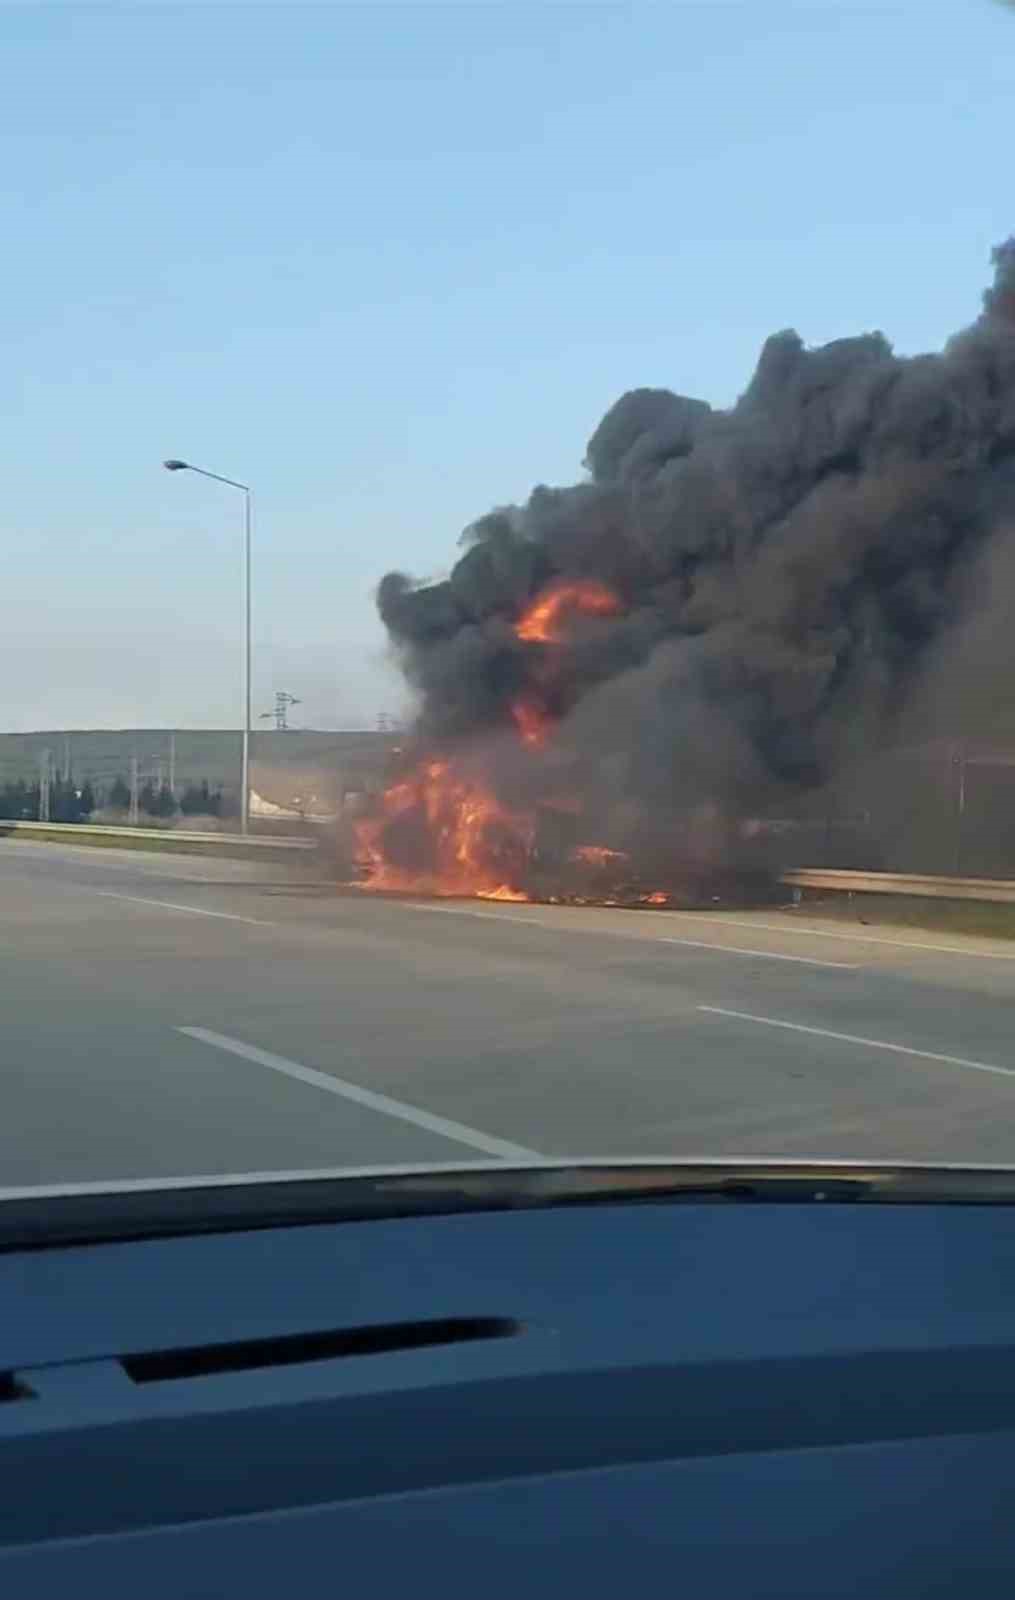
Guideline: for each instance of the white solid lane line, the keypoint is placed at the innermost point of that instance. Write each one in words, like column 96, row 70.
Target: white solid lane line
column 170, row 905
column 614, row 933
column 365, row 1097
column 853, row 1038
column 764, row 955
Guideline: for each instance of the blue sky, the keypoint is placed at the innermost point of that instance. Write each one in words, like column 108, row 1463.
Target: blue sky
column 391, row 264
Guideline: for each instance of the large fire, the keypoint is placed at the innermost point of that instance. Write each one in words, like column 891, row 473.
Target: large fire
column 456, row 838
column 545, row 621
column 441, row 828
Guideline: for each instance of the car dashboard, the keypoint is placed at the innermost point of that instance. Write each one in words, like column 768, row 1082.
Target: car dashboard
column 814, row 1396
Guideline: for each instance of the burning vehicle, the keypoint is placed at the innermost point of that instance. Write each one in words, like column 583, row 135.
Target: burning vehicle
column 730, row 609
column 513, row 817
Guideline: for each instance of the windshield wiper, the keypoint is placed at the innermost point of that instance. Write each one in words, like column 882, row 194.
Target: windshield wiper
column 93, row 1214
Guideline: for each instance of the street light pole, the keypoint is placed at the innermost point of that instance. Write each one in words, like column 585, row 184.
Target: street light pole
column 188, row 466
column 245, row 756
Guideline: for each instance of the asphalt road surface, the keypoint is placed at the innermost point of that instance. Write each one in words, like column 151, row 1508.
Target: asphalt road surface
column 171, row 1015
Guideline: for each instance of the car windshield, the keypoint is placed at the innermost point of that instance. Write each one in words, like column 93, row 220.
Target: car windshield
column 507, row 610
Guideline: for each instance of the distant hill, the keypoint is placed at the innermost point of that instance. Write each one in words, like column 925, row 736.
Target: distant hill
column 277, row 759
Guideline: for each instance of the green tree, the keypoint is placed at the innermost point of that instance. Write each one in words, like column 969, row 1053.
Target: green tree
column 165, row 802
column 13, row 800
column 148, row 798
column 194, row 800
column 200, row 800
column 119, row 794
column 64, row 801
column 87, row 798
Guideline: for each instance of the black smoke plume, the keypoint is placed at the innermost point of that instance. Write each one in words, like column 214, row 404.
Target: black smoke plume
column 786, row 570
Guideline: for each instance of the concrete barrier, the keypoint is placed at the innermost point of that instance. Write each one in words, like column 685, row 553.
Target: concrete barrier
column 997, row 891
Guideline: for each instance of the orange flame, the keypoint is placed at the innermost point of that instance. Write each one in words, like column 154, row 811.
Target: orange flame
column 467, row 842
column 543, row 622
column 475, row 846
column 598, row 855
column 531, row 720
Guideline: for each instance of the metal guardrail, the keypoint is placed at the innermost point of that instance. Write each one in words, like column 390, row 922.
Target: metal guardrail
column 84, row 831
column 919, row 885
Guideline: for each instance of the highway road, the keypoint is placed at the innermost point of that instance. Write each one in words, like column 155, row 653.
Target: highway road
column 172, row 1015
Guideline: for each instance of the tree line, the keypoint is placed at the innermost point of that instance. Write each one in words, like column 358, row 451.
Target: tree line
column 73, row 802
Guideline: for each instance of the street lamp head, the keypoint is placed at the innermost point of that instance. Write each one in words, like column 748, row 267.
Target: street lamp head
column 176, row 466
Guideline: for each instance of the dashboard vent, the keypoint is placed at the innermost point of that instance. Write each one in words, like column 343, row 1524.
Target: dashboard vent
column 11, row 1388
column 248, row 1355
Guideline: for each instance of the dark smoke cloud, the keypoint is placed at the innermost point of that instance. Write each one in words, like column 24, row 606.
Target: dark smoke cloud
column 787, row 570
